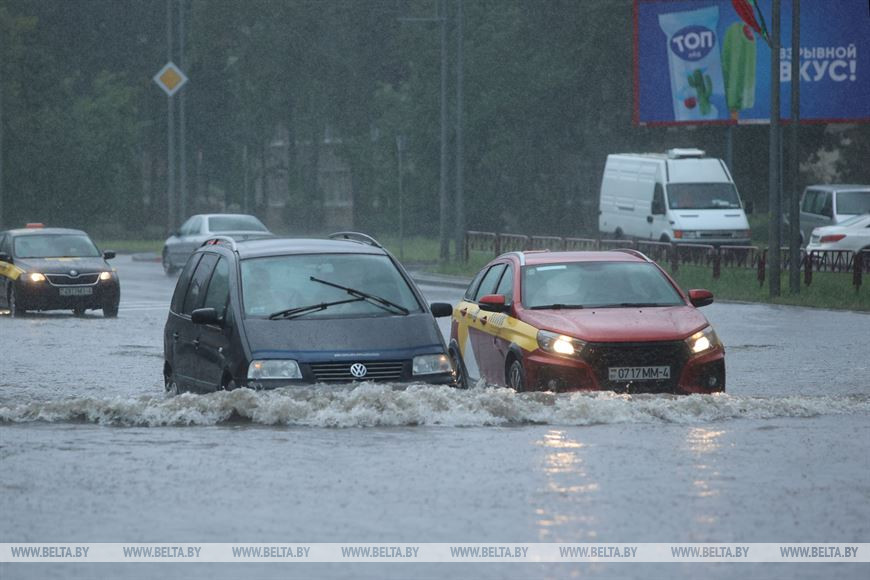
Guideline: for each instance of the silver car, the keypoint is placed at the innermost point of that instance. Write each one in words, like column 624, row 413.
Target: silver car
column 827, row 205
column 198, row 228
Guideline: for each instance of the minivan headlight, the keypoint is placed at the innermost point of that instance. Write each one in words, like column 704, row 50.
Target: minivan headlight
column 430, row 364
column 560, row 344
column 274, row 369
column 703, row 341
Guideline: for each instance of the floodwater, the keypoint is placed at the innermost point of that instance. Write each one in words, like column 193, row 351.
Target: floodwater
column 91, row 450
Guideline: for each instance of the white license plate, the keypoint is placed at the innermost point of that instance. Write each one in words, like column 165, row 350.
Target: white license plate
column 80, row 291
column 639, row 373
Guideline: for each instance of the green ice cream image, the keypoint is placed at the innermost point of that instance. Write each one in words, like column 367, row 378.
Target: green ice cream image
column 738, row 68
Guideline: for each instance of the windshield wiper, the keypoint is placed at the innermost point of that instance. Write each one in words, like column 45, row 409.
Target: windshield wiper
column 556, row 306
column 300, row 310
column 370, row 298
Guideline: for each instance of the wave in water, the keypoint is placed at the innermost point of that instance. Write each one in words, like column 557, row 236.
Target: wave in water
column 369, row 405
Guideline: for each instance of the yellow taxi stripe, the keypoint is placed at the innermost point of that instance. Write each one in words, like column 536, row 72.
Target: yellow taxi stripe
column 10, row 271
column 498, row 324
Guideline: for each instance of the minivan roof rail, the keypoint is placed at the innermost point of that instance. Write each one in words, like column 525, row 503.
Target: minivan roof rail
column 221, row 239
column 356, row 237
column 633, row 252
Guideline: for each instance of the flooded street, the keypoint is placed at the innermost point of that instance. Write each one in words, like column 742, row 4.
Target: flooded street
column 91, row 450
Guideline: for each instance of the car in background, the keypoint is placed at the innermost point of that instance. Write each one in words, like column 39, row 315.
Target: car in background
column 278, row 312
column 852, row 234
column 826, row 205
column 56, row 269
column 565, row 321
column 198, row 228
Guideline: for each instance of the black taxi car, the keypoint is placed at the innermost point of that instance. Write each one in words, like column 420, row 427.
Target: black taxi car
column 55, row 269
column 277, row 312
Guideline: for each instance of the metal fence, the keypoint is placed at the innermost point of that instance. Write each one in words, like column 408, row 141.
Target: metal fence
column 675, row 255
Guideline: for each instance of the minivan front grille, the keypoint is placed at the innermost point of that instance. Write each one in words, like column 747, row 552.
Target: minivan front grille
column 602, row 356
column 341, row 371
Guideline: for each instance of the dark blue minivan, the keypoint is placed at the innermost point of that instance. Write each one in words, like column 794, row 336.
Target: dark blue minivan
column 278, row 311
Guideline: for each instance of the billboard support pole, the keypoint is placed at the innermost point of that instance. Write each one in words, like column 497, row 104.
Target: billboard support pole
column 775, row 160
column 794, row 266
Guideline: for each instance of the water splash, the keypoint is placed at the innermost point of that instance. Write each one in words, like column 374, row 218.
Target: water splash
column 369, row 405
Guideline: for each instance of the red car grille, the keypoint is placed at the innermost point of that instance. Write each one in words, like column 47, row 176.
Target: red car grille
column 602, row 356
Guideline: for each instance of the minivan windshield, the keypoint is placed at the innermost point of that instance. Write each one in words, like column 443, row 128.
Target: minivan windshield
column 235, row 223
column 853, row 202
column 277, row 283
column 596, row 285
column 702, row 196
column 55, row 246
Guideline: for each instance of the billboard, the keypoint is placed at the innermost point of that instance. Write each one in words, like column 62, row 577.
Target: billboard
column 698, row 62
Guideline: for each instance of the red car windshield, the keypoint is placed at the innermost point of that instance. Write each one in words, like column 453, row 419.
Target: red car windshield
column 596, row 285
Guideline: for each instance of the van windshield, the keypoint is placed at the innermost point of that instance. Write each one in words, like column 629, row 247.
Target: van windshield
column 853, row 202
column 702, row 196
column 276, row 283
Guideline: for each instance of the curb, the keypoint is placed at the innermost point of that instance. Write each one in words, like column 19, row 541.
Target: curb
column 440, row 280
column 146, row 257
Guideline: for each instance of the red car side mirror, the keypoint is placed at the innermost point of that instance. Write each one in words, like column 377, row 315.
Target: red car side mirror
column 700, row 298
column 493, row 303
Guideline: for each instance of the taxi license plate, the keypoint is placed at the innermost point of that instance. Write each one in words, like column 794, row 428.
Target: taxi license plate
column 85, row 291
column 639, row 373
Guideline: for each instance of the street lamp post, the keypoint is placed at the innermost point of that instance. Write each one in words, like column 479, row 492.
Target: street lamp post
column 460, row 161
column 400, row 149
column 443, row 234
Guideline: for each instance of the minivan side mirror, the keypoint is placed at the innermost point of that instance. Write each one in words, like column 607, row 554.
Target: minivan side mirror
column 4, row 257
column 441, row 309
column 748, row 207
column 205, row 316
column 493, row 303
column 108, row 254
column 700, row 298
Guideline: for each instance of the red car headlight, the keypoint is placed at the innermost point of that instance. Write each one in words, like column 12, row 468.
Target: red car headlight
column 560, row 344
column 703, row 341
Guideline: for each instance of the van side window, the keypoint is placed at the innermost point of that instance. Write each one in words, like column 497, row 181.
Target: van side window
column 658, row 200
column 218, row 288
column 488, row 284
column 183, row 283
column 196, row 290
column 809, row 199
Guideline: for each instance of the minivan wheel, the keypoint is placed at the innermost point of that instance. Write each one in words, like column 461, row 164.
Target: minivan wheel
column 110, row 310
column 516, row 376
column 170, row 384
column 229, row 384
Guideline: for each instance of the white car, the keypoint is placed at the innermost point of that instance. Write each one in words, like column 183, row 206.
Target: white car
column 852, row 234
column 198, row 228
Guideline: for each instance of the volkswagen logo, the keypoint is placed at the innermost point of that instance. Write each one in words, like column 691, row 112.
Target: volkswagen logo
column 358, row 370
column 73, row 273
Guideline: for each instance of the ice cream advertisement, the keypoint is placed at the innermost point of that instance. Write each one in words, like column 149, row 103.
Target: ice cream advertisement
column 708, row 61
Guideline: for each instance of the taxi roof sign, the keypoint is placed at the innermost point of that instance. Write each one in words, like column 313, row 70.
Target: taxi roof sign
column 34, row 225
column 170, row 78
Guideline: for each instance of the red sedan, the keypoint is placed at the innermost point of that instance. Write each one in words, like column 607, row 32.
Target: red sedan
column 564, row 321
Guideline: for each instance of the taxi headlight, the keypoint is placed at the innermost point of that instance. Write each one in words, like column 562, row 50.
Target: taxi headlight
column 36, row 277
column 560, row 344
column 430, row 364
column 105, row 276
column 274, row 369
column 703, row 341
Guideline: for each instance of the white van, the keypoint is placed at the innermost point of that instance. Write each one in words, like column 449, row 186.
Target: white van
column 681, row 196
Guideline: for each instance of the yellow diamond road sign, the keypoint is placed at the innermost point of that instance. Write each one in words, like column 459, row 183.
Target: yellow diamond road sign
column 170, row 78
